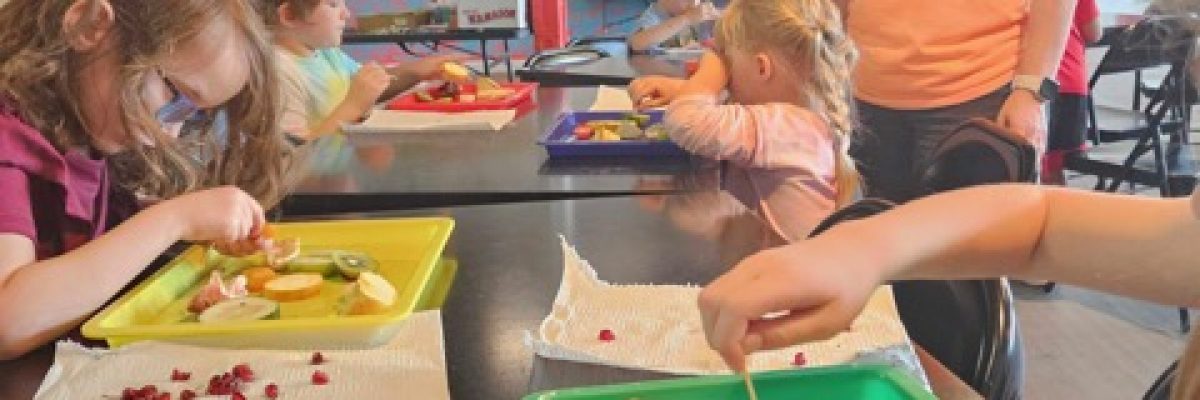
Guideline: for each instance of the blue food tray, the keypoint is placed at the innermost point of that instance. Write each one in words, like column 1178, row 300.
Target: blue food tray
column 560, row 141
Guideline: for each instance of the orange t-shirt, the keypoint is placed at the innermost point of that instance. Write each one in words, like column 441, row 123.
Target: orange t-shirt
column 922, row 54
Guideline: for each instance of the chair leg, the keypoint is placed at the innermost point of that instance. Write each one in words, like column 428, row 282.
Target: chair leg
column 1160, row 165
column 1139, row 149
column 1185, row 320
column 1137, row 89
column 1094, row 129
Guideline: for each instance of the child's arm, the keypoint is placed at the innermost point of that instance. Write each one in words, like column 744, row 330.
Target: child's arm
column 710, row 78
column 41, row 300
column 1088, row 18
column 408, row 75
column 366, row 87
column 750, row 135
column 651, row 36
column 1134, row 246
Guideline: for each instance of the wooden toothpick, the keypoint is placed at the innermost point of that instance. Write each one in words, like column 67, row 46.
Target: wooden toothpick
column 749, row 385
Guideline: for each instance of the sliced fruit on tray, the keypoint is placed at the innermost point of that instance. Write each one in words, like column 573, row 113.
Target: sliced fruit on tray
column 370, row 294
column 457, row 72
column 216, row 290
column 257, row 278
column 279, row 251
column 240, row 309
column 351, row 263
column 313, row 263
column 293, row 287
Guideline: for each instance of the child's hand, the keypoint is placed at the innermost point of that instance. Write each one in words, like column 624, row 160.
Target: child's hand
column 654, row 91
column 703, row 12
column 823, row 288
column 225, row 215
column 366, row 87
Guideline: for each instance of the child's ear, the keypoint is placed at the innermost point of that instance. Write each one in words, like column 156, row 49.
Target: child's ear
column 87, row 23
column 287, row 14
column 764, row 65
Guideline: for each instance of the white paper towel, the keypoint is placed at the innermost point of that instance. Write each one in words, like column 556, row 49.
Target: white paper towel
column 412, row 363
column 388, row 121
column 658, row 328
column 611, row 99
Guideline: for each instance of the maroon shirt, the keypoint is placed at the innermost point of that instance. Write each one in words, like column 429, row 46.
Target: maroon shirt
column 60, row 201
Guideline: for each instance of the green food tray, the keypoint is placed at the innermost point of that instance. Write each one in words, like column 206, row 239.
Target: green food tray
column 873, row 382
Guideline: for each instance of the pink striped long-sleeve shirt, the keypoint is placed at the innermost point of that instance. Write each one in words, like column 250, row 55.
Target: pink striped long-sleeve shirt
column 781, row 157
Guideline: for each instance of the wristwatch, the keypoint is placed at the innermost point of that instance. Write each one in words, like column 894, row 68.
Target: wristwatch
column 1043, row 89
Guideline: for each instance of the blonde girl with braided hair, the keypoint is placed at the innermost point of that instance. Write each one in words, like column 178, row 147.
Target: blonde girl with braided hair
column 786, row 127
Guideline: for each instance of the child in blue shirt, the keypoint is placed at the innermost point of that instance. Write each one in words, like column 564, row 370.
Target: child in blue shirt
column 673, row 23
column 323, row 87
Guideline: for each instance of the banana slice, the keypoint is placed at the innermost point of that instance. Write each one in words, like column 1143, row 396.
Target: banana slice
column 239, row 310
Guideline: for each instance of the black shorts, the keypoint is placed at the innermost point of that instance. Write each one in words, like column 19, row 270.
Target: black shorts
column 1068, row 122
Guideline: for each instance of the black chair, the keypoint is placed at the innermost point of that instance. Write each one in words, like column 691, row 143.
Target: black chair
column 1154, row 42
column 1161, row 388
column 979, row 152
column 971, row 325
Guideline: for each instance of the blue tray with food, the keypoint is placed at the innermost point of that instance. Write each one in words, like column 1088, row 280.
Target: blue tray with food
column 610, row 133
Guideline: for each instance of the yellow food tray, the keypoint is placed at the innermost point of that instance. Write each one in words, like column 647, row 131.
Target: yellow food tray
column 408, row 251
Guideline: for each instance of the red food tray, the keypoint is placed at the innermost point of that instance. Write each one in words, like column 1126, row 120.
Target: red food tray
column 522, row 92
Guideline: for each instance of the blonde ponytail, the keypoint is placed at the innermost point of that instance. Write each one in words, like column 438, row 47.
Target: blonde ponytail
column 810, row 33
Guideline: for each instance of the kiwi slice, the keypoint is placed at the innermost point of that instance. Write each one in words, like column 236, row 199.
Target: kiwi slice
column 352, row 263
column 239, row 310
column 314, row 263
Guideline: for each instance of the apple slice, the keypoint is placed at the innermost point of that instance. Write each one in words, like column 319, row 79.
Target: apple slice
column 370, row 294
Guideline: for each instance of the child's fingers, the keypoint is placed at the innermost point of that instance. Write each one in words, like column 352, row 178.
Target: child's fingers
column 797, row 327
column 257, row 218
column 651, row 101
column 728, row 331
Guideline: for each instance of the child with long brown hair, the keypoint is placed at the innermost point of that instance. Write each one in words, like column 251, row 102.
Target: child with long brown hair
column 786, row 66
column 88, row 89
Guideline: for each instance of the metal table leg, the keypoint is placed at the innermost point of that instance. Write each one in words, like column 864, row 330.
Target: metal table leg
column 508, row 60
column 487, row 62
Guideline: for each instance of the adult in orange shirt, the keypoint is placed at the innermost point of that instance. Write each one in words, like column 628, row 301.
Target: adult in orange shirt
column 929, row 65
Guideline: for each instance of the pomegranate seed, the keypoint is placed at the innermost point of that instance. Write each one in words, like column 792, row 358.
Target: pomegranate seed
column 243, row 372
column 799, row 360
column 164, row 396
column 148, row 390
column 187, row 395
column 129, row 394
column 237, row 396
column 607, row 335
column 180, row 376
column 272, row 391
column 319, row 378
column 317, row 358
